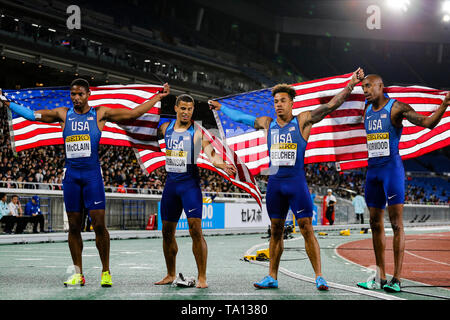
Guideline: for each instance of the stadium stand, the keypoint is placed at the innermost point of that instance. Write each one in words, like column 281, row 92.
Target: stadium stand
column 155, row 42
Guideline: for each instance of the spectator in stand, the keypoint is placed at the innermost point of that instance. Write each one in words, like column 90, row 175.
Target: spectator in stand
column 33, row 209
column 14, row 206
column 5, row 214
column 331, row 203
column 359, row 204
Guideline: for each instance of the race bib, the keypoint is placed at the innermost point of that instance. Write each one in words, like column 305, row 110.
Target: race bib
column 378, row 144
column 283, row 154
column 78, row 146
column 176, row 161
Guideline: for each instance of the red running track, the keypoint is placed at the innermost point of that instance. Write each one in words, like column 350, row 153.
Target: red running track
column 426, row 259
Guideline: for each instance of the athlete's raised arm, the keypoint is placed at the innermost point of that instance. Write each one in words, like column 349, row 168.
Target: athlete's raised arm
column 241, row 117
column 308, row 118
column 43, row 115
column 123, row 114
column 321, row 112
column 403, row 110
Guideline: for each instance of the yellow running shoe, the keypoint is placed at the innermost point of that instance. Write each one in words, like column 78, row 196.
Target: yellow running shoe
column 106, row 279
column 75, row 280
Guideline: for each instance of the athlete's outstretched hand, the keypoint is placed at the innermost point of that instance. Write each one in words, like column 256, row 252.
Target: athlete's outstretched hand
column 357, row 76
column 3, row 99
column 166, row 91
column 229, row 169
column 214, row 105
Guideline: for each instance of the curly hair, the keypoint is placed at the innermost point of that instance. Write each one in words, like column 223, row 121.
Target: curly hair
column 284, row 87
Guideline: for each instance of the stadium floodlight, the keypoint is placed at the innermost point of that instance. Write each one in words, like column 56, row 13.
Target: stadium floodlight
column 398, row 5
column 446, row 6
column 446, row 11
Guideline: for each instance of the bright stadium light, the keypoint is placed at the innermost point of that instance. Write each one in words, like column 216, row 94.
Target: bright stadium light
column 446, row 11
column 398, row 5
column 446, row 6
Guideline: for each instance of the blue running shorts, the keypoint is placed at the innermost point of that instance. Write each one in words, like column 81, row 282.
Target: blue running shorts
column 179, row 195
column 83, row 187
column 385, row 184
column 292, row 192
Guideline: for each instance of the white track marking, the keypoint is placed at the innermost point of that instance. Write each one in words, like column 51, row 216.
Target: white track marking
column 330, row 284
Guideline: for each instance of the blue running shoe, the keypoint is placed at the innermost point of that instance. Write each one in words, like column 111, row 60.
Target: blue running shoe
column 266, row 283
column 321, row 284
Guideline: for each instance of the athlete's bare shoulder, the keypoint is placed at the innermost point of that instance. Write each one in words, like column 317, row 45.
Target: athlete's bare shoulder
column 162, row 129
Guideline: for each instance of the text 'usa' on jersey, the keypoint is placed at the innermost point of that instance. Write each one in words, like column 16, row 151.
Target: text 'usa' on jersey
column 382, row 136
column 181, row 153
column 286, row 149
column 81, row 139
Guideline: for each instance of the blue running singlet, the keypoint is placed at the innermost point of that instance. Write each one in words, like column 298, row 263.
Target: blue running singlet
column 181, row 155
column 287, row 182
column 385, row 180
column 83, row 182
column 182, row 188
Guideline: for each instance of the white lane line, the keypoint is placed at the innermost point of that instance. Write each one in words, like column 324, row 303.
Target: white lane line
column 420, row 257
column 330, row 284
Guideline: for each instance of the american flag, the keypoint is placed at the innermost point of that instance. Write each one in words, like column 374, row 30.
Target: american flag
column 140, row 133
column 151, row 160
column 341, row 136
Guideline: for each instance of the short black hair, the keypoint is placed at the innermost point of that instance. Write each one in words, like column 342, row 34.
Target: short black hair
column 2, row 194
column 14, row 196
column 81, row 83
column 184, row 98
column 284, row 87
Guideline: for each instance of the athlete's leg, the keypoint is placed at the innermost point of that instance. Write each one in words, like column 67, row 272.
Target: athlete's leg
column 378, row 239
column 277, row 209
column 102, row 240
column 311, row 244
column 72, row 201
column 200, row 249
column 276, row 245
column 395, row 190
column 75, row 241
column 95, row 202
column 192, row 201
column 375, row 195
column 396, row 218
column 170, row 249
column 171, row 208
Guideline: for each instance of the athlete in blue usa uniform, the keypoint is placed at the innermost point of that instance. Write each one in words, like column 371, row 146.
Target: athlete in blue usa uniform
column 385, row 179
column 83, row 182
column 287, row 138
column 287, row 187
column 182, row 188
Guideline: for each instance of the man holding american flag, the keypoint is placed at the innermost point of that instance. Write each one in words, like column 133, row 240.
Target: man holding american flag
column 385, row 174
column 82, row 126
column 184, row 140
column 287, row 138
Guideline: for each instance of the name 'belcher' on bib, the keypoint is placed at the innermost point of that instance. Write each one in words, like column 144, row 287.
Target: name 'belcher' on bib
column 286, row 149
column 283, row 154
